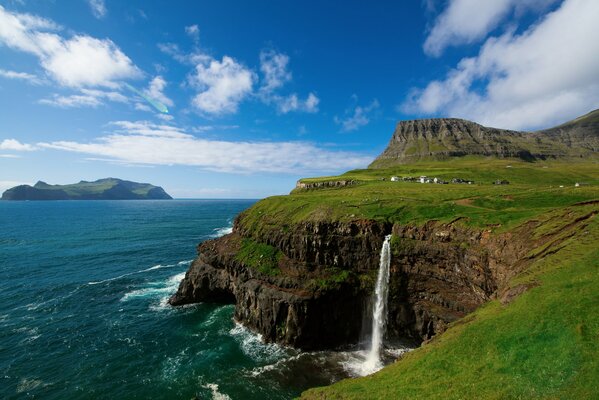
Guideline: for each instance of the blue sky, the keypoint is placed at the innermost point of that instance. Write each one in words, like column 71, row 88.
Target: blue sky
column 262, row 93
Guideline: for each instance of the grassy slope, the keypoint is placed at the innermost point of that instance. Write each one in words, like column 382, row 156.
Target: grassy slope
column 542, row 345
column 534, row 189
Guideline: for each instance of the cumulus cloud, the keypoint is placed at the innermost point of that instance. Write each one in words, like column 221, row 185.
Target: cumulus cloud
column 145, row 143
column 98, row 8
column 30, row 78
column 79, row 61
column 274, row 68
column 357, row 117
column 193, row 31
column 292, row 102
column 155, row 91
column 15, row 145
column 467, row 21
column 223, row 85
column 543, row 76
column 275, row 74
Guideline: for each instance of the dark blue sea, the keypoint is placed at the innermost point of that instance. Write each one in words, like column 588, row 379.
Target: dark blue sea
column 84, row 314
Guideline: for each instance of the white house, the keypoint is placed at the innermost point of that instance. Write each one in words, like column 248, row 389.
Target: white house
column 422, row 179
column 394, row 178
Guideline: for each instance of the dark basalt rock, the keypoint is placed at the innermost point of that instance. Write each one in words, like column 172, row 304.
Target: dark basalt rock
column 439, row 273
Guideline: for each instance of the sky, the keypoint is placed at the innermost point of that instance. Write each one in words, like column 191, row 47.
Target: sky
column 239, row 99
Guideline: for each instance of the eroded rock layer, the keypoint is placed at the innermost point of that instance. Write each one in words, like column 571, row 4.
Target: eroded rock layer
column 318, row 294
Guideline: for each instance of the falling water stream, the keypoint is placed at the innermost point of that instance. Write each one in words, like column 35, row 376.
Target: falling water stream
column 373, row 360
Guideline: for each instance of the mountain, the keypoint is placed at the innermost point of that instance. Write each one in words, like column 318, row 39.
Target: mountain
column 441, row 138
column 102, row 189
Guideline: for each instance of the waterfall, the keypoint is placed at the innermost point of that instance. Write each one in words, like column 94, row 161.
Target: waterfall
column 379, row 310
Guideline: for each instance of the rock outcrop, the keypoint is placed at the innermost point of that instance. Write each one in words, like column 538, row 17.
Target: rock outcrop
column 322, row 290
column 324, row 184
column 441, row 138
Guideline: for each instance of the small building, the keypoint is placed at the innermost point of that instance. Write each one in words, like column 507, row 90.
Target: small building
column 501, row 182
column 423, row 179
column 395, row 179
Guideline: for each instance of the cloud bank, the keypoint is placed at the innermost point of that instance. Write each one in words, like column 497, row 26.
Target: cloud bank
column 145, row 143
column 543, row 76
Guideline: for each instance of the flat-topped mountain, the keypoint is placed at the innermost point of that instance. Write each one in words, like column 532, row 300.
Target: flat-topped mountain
column 102, row 189
column 441, row 138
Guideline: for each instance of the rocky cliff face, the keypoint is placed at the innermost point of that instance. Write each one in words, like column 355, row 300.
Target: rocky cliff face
column 322, row 289
column 440, row 138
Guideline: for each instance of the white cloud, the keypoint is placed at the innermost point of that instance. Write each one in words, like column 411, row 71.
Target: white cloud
column 194, row 32
column 86, row 98
column 86, row 61
column 358, row 117
column 98, row 8
column 223, row 84
column 30, row 78
column 543, row 76
column 75, row 62
column 294, row 103
column 15, row 145
column 274, row 68
column 10, row 156
column 144, row 143
column 155, row 91
column 467, row 21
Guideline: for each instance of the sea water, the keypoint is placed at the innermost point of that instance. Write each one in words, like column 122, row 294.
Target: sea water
column 84, row 314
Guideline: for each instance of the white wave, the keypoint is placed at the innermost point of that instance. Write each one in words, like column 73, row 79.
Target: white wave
column 216, row 395
column 163, row 290
column 218, row 232
column 28, row 384
column 254, row 347
column 155, row 267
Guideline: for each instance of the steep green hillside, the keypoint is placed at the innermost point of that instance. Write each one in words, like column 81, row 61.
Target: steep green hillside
column 542, row 344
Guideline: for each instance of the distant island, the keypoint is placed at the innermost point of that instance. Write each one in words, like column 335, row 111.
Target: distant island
column 102, row 189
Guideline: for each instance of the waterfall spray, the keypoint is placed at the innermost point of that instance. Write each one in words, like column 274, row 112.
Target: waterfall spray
column 379, row 310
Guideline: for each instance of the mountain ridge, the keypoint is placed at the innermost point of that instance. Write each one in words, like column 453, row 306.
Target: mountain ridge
column 101, row 189
column 441, row 138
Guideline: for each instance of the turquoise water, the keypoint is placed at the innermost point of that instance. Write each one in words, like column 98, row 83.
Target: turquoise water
column 83, row 312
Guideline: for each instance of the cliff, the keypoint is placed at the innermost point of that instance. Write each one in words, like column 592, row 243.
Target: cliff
column 301, row 268
column 317, row 292
column 441, row 138
column 102, row 189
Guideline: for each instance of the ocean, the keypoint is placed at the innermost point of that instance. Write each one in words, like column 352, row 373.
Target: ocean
column 84, row 314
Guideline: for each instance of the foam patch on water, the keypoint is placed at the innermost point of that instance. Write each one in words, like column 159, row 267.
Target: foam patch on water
column 155, row 267
column 357, row 363
column 216, row 395
column 254, row 347
column 162, row 290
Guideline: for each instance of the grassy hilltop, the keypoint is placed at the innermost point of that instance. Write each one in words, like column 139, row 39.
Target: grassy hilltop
column 540, row 344
column 102, row 189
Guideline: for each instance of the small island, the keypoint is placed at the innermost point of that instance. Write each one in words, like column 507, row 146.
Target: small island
column 102, row 189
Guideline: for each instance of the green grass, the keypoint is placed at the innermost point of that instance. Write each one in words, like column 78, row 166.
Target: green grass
column 542, row 345
column 533, row 190
column 260, row 256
